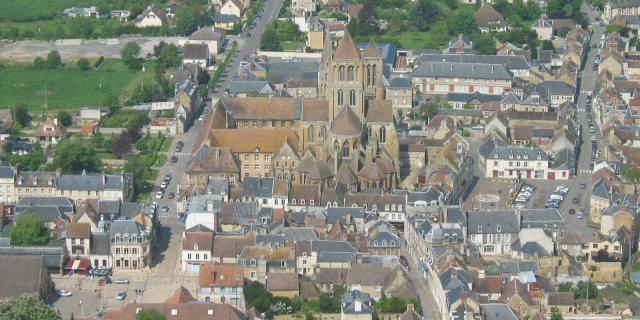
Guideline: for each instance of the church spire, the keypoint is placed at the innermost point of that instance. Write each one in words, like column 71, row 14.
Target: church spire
column 346, row 49
column 371, row 51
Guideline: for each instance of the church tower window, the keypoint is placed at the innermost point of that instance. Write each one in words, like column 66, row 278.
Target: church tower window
column 340, row 97
column 352, row 97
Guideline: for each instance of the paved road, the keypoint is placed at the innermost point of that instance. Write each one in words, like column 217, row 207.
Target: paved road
column 247, row 46
column 430, row 310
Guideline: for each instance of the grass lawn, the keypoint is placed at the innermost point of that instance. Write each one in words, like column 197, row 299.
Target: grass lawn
column 60, row 27
column 67, row 88
column 119, row 119
column 290, row 45
column 31, row 10
column 414, row 40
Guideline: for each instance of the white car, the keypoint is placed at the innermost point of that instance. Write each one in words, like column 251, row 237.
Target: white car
column 525, row 194
column 159, row 195
column 64, row 293
column 556, row 197
column 163, row 184
column 562, row 189
column 520, row 205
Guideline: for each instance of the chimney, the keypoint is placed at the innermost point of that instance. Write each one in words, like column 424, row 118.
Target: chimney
column 347, row 218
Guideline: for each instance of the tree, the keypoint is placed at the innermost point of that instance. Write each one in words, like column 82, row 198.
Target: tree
column 22, row 116
column 103, row 10
column 270, row 40
column 149, row 315
column 39, row 63
column 84, row 64
column 169, row 56
column 82, row 27
column 28, row 307
column 366, row 24
column 29, row 230
column 54, row 60
column 547, row 45
column 64, row 118
column 565, row 287
column 632, row 174
column 31, row 161
column 129, row 55
column 185, row 22
column 423, row 13
column 75, row 156
column 428, row 110
column 583, row 288
column 257, row 296
column 555, row 314
column 122, row 145
column 484, row 44
column 463, row 22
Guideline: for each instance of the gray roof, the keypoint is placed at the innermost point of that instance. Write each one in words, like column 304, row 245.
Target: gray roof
column 224, row 18
column 600, row 189
column 336, row 257
column 460, row 112
column 270, row 240
column 194, row 51
column 514, row 267
column 339, row 213
column 497, row 311
column 466, row 97
column 300, row 234
column 250, row 86
column 48, row 214
column 63, row 203
column 257, row 187
column 624, row 3
column 558, row 87
column 510, row 62
column 541, row 218
column 217, row 185
column 564, row 160
column 100, row 243
column 126, row 227
column 531, row 248
column 244, row 213
column 279, row 72
column 390, row 240
column 455, row 215
column 349, row 303
column 53, row 255
column 91, row 182
column 332, row 246
column 207, row 34
column 400, row 83
column 462, row 70
column 488, row 222
column 6, row 172
column 517, row 153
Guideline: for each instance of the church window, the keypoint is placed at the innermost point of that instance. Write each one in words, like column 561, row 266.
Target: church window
column 340, row 97
column 351, row 74
column 352, row 97
column 373, row 76
column 310, row 134
column 383, row 135
column 341, row 73
column 323, row 133
column 368, row 75
column 345, row 149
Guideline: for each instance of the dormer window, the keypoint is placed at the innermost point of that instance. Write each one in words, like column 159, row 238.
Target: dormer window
column 526, row 156
column 35, row 181
column 50, row 181
column 20, row 180
column 302, row 201
column 386, row 207
column 499, row 228
column 495, row 156
column 479, row 228
column 539, row 157
column 195, row 246
column 399, row 207
column 222, row 191
column 311, row 202
column 393, row 207
column 510, row 155
column 293, row 201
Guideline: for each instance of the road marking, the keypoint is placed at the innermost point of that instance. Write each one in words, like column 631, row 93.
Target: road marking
column 585, row 171
column 182, row 153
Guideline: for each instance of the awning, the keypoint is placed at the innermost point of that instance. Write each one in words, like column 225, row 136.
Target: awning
column 77, row 266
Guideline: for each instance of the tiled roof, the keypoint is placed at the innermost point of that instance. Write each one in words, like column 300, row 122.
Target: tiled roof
column 221, row 275
column 195, row 51
column 283, row 281
column 78, row 231
column 204, row 241
column 346, row 123
column 346, row 49
column 268, row 140
column 462, row 70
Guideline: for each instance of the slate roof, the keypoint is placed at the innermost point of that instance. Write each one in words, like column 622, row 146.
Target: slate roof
column 224, row 18
column 616, row 4
column 63, row 203
column 6, row 172
column 487, row 15
column 400, row 83
column 558, row 87
column 270, row 240
column 100, row 244
column 462, row 70
column 283, row 281
column 541, row 218
column 126, row 227
column 53, row 256
column 280, row 72
column 91, row 182
column 504, row 153
column 258, row 187
column 514, row 267
column 195, row 51
column 509, row 62
column 332, row 246
column 497, row 311
column 488, row 222
column 466, row 97
column 250, row 86
column 206, row 34
column 349, row 303
column 297, row 234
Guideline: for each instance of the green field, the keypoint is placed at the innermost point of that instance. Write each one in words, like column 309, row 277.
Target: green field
column 32, row 10
column 67, row 88
column 415, row 40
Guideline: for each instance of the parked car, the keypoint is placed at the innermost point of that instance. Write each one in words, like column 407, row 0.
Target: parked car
column 520, row 205
column 579, row 215
column 121, row 295
column 165, row 209
column 171, row 195
column 64, row 293
column 122, row 281
column 163, row 185
column 180, row 144
column 574, row 200
column 168, row 177
column 159, row 195
column 174, row 159
column 572, row 211
column 583, row 186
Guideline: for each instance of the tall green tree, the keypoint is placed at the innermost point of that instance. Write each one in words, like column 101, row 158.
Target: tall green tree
column 185, row 22
column 129, row 55
column 483, row 43
column 26, row 307
column 423, row 13
column 84, row 64
column 463, row 22
column 74, row 156
column 169, row 56
column 632, row 174
column 555, row 314
column 22, row 116
column 270, row 40
column 64, row 118
column 30, row 230
column 366, row 24
column 54, row 60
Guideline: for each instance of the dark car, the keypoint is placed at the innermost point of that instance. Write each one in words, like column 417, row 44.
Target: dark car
column 583, row 186
column 572, row 211
column 174, row 159
column 171, row 195
column 574, row 200
column 180, row 144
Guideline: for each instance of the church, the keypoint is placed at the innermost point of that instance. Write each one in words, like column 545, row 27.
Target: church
column 346, row 137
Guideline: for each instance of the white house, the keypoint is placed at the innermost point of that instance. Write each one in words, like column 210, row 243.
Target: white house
column 196, row 53
column 197, row 245
column 207, row 35
column 233, row 8
column 152, row 16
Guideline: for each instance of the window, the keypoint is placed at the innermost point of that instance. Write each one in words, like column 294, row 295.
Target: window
column 188, row 256
column 266, row 157
column 257, row 166
column 352, row 97
column 341, row 73
column 266, row 167
column 245, row 124
column 382, row 136
column 255, row 124
column 257, row 157
column 351, row 75
column 197, row 256
column 340, row 97
column 246, row 157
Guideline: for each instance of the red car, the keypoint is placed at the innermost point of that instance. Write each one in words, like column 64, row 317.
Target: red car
column 172, row 195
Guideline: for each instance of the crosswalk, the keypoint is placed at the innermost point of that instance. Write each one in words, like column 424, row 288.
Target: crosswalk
column 178, row 154
column 586, row 170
